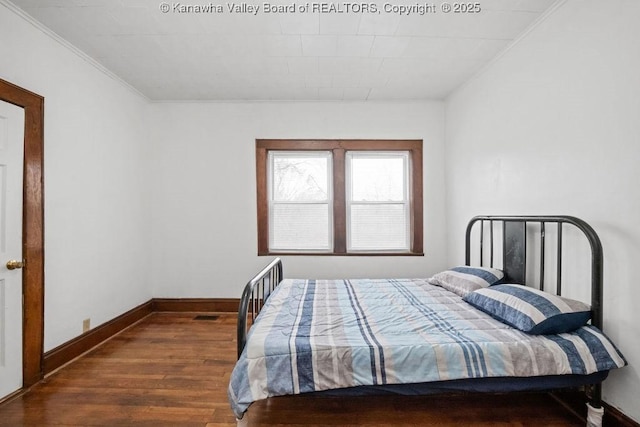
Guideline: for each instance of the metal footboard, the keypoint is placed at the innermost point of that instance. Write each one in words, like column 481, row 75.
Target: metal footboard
column 254, row 296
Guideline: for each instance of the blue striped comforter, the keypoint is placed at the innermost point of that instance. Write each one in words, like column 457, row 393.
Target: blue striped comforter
column 315, row 335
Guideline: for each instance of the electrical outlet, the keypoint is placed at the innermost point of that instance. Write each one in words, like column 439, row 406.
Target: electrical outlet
column 86, row 325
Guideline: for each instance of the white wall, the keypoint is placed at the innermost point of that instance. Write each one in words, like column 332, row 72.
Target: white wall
column 158, row 200
column 204, row 227
column 552, row 128
column 100, row 206
column 96, row 228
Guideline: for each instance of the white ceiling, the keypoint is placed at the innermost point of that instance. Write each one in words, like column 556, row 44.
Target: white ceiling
column 287, row 56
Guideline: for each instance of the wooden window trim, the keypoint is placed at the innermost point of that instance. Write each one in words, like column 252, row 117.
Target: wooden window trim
column 339, row 148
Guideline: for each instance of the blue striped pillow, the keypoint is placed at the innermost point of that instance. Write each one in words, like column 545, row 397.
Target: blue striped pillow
column 531, row 310
column 464, row 279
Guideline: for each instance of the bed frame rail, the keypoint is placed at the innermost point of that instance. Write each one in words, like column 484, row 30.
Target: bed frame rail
column 254, row 296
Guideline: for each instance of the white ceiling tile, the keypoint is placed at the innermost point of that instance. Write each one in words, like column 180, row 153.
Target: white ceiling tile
column 344, row 23
column 280, row 45
column 136, row 45
column 299, row 23
column 285, row 81
column 518, row 5
column 354, row 46
column 303, row 65
column 499, row 4
column 296, row 94
column 182, row 23
column 535, row 5
column 389, row 46
column 356, row 93
column 246, row 24
column 346, row 80
column 483, row 50
column 410, row 90
column 368, row 80
column 219, row 45
column 130, row 3
column 279, row 56
column 134, row 20
column 318, row 80
column 349, row 65
column 438, row 25
column 390, row 93
column 432, row 47
column 258, row 64
column 319, row 45
column 498, row 24
column 97, row 20
column 92, row 3
column 382, row 24
column 490, row 24
column 234, row 23
column 330, row 94
column 243, row 45
column 29, row 4
column 400, row 66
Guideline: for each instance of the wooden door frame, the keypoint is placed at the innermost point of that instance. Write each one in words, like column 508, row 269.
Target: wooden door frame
column 32, row 229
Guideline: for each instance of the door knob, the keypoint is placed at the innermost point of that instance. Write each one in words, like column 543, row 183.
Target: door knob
column 13, row 264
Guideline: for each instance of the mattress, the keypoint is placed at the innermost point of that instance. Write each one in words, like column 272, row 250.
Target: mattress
column 315, row 335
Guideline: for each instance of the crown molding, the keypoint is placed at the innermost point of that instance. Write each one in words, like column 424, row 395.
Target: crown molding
column 550, row 11
column 71, row 47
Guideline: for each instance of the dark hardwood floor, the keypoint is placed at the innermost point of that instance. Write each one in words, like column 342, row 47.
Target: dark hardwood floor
column 172, row 370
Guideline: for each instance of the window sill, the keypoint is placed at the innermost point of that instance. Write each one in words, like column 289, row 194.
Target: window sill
column 341, row 254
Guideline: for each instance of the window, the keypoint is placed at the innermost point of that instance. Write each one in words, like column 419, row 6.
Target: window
column 339, row 197
column 300, row 202
column 377, row 201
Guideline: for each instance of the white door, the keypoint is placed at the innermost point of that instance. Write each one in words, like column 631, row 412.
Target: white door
column 11, row 165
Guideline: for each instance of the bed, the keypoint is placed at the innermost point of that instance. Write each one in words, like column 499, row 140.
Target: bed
column 474, row 327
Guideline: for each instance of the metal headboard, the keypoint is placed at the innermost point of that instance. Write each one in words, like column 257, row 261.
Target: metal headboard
column 514, row 250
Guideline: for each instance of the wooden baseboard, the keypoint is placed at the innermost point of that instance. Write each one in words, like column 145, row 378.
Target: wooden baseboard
column 68, row 351
column 613, row 417
column 576, row 402
column 12, row 396
column 178, row 305
column 64, row 353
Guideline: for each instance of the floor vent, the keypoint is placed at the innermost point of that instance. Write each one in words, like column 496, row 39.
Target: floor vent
column 206, row 317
